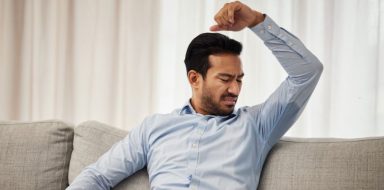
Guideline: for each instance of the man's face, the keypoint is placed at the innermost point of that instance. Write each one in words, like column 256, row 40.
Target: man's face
column 222, row 85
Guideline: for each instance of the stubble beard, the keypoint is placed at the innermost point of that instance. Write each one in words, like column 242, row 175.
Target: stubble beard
column 210, row 106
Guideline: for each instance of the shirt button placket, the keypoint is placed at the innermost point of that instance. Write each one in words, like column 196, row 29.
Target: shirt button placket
column 195, row 144
column 200, row 131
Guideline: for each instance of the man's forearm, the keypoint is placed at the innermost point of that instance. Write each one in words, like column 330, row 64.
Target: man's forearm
column 295, row 58
column 89, row 179
column 122, row 160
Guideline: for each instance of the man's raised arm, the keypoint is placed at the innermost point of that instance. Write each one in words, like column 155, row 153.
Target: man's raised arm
column 277, row 114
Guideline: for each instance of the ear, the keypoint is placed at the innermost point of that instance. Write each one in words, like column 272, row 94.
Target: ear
column 194, row 78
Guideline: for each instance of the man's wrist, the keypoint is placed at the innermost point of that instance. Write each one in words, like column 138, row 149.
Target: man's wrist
column 259, row 18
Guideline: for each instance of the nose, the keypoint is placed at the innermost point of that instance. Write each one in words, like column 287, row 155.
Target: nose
column 234, row 88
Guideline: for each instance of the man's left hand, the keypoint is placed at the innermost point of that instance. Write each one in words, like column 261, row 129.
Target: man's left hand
column 235, row 16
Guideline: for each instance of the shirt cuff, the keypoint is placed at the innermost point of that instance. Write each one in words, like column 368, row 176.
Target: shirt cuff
column 267, row 29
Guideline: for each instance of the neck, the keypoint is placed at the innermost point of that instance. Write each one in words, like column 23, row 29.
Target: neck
column 194, row 103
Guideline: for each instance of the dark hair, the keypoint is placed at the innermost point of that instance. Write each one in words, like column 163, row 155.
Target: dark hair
column 207, row 44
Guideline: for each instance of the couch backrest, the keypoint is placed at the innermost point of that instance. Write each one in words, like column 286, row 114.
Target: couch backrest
column 296, row 164
column 35, row 155
column 317, row 164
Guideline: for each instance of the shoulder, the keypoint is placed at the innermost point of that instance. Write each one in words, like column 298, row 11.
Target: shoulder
column 158, row 119
column 246, row 110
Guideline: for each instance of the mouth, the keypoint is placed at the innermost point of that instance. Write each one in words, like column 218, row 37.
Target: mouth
column 230, row 101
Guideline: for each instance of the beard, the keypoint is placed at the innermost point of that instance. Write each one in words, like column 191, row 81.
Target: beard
column 213, row 107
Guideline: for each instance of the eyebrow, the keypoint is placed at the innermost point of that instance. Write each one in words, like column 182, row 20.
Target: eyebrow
column 229, row 75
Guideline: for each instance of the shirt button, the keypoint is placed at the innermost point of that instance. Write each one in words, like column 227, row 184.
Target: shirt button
column 269, row 27
column 200, row 132
column 194, row 145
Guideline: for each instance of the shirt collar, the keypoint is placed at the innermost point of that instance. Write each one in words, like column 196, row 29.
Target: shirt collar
column 188, row 109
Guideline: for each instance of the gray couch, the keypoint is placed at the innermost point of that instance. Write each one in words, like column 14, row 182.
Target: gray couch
column 50, row 154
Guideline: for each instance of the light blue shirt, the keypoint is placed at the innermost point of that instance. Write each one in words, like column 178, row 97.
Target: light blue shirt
column 187, row 150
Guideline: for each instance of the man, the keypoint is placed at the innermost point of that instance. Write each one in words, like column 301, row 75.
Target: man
column 207, row 144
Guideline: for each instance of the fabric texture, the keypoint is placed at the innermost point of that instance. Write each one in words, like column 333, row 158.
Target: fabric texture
column 35, row 155
column 91, row 140
column 322, row 164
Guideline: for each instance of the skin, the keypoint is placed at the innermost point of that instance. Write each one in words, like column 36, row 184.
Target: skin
column 235, row 16
column 217, row 93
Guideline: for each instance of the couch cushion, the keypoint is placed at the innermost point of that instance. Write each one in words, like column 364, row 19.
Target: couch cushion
column 325, row 164
column 35, row 155
column 91, row 140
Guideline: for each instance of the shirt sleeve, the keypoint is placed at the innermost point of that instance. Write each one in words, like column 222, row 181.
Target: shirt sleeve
column 122, row 160
column 277, row 114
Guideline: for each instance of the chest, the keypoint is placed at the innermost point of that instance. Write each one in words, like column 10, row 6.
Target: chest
column 200, row 141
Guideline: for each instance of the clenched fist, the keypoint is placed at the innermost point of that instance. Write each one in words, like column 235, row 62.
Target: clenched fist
column 235, row 16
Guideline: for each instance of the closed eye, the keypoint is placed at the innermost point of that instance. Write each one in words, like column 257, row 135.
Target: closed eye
column 224, row 80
